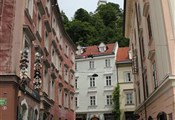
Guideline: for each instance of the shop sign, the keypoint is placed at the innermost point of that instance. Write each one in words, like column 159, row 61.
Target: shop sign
column 3, row 101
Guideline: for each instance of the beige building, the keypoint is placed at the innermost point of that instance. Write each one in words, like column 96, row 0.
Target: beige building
column 125, row 80
column 150, row 26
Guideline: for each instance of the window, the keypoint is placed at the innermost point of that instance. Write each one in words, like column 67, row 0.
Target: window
column 145, row 85
column 53, row 55
column 27, row 46
column 127, row 76
column 91, row 64
column 72, row 102
column 66, row 99
column 76, row 101
column 52, row 88
column 29, row 7
column 129, row 98
column 142, row 46
column 45, row 79
column 72, row 56
column 76, row 66
column 48, row 6
column 108, row 80
column 149, row 27
column 60, row 96
column 66, row 74
column 92, row 81
column 109, row 99
column 107, row 63
column 154, row 74
column 102, row 49
column 39, row 25
column 92, row 101
column 46, row 41
column 170, row 116
column 66, row 50
column 72, row 79
column 76, row 83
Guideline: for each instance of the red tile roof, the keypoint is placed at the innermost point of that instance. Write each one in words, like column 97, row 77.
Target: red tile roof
column 93, row 50
column 122, row 54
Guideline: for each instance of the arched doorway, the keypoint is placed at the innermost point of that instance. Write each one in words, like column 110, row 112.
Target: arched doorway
column 162, row 116
column 150, row 118
column 95, row 118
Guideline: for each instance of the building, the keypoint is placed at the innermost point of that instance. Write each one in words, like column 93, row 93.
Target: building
column 101, row 2
column 37, row 83
column 150, row 26
column 95, row 79
column 126, row 83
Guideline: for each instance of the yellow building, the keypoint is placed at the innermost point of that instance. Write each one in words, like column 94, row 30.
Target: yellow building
column 125, row 81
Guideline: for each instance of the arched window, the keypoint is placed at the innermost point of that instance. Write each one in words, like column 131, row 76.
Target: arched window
column 35, row 114
column 162, row 116
column 24, row 112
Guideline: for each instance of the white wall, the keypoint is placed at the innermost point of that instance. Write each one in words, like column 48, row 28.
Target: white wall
column 83, row 72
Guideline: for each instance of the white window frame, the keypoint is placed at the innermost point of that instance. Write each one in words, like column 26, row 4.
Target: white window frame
column 66, row 73
column 93, row 100
column 66, row 99
column 107, row 63
column 52, row 88
column 29, row 6
column 27, row 46
column 45, row 80
column 60, row 96
column 76, row 83
column 126, row 76
column 129, row 98
column 76, row 101
column 39, row 24
column 92, row 81
column 109, row 100
column 108, row 80
column 91, row 64
column 46, row 42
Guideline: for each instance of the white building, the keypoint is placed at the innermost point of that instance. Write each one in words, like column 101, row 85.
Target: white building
column 93, row 94
column 100, row 2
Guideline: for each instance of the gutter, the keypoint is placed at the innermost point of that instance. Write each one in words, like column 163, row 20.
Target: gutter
column 124, row 14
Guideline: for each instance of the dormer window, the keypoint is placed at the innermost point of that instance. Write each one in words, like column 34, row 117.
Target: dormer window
column 102, row 47
column 80, row 50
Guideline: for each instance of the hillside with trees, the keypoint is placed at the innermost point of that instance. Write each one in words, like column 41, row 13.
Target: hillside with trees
column 104, row 25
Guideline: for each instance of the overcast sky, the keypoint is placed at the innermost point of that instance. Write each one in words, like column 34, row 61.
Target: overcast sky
column 70, row 6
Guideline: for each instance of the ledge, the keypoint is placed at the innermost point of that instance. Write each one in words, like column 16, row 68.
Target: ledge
column 29, row 32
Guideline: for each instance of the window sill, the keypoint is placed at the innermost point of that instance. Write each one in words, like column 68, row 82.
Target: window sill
column 92, row 106
column 129, row 104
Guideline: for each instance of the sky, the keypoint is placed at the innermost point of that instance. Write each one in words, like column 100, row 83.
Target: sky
column 70, row 6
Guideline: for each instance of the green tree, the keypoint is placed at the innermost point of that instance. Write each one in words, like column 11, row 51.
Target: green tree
column 81, row 32
column 116, row 101
column 104, row 25
column 82, row 15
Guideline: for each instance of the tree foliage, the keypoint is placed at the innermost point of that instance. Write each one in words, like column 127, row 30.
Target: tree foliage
column 116, row 101
column 104, row 25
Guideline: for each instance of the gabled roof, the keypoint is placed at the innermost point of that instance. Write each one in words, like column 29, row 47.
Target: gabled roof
column 122, row 54
column 91, row 51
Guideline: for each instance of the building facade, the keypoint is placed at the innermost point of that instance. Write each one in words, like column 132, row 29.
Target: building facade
column 126, row 83
column 95, row 79
column 150, row 26
column 37, row 60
